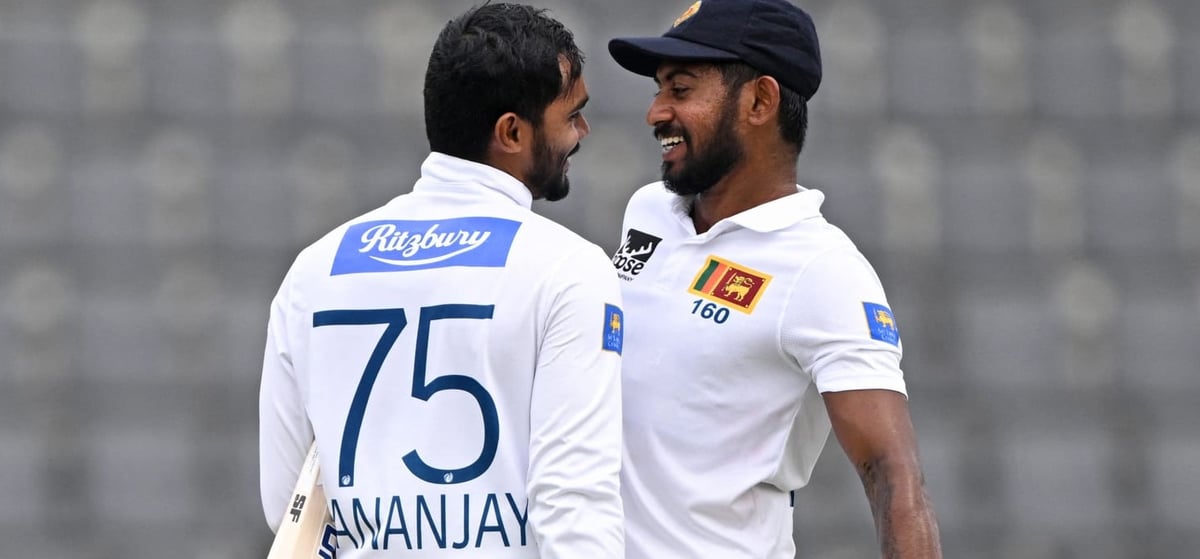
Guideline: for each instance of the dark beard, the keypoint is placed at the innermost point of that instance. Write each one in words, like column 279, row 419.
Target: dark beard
column 702, row 170
column 547, row 180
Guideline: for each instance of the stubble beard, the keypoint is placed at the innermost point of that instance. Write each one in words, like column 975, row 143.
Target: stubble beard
column 700, row 171
column 549, row 180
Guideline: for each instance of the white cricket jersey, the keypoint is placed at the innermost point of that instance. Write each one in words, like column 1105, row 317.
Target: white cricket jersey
column 457, row 358
column 733, row 335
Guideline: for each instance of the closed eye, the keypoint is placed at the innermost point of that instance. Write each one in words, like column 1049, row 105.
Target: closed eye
column 677, row 91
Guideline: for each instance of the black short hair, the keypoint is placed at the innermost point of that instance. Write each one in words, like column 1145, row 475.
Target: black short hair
column 793, row 109
column 494, row 59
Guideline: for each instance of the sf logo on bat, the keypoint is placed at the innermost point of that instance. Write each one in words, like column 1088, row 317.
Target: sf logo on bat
column 297, row 507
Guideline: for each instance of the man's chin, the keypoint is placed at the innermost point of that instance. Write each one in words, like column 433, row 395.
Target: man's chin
column 669, row 178
column 672, row 182
column 556, row 195
column 557, row 191
column 684, row 186
column 674, row 186
column 675, row 173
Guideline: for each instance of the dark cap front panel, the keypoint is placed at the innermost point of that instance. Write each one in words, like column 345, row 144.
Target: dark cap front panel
column 773, row 36
column 797, row 59
column 712, row 24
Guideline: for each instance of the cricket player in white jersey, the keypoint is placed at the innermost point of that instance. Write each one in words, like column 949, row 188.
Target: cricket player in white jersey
column 455, row 356
column 755, row 324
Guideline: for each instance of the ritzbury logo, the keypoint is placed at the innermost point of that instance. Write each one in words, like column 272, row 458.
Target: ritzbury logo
column 397, row 246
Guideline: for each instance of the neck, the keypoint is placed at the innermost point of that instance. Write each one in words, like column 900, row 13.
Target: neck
column 748, row 185
column 509, row 164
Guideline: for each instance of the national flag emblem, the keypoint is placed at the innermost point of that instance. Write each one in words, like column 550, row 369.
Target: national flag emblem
column 730, row 284
column 882, row 323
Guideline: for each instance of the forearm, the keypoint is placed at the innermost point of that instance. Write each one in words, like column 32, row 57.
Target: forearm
column 904, row 519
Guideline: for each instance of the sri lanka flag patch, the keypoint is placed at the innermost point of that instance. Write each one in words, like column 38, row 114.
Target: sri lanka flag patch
column 882, row 324
column 724, row 282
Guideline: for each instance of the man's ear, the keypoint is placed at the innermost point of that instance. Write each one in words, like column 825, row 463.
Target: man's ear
column 510, row 133
column 765, row 102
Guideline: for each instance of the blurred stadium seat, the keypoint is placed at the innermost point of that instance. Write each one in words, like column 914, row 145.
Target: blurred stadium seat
column 1024, row 175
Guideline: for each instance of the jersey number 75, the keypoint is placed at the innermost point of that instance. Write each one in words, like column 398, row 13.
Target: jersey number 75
column 422, row 387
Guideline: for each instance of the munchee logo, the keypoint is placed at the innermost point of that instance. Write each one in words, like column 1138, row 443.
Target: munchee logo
column 396, row 246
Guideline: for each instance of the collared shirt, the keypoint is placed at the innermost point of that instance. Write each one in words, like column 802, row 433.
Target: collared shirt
column 457, row 359
column 734, row 333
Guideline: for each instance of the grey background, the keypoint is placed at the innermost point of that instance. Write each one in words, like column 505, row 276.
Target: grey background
column 1025, row 176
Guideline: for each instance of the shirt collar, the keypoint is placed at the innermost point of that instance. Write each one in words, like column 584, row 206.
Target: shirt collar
column 763, row 218
column 440, row 170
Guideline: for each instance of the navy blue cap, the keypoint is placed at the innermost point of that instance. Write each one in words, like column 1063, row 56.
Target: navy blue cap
column 774, row 37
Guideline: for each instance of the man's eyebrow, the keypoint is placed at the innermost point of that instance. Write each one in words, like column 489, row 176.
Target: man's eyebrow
column 673, row 73
column 581, row 104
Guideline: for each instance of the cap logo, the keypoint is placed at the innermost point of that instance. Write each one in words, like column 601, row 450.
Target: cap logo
column 687, row 14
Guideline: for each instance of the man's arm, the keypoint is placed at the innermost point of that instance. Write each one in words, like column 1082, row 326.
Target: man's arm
column 283, row 427
column 876, row 432
column 575, row 415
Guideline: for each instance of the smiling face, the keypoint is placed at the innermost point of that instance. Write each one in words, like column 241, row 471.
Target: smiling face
column 556, row 139
column 694, row 115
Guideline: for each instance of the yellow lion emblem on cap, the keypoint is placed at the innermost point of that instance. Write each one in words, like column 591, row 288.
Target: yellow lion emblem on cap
column 691, row 11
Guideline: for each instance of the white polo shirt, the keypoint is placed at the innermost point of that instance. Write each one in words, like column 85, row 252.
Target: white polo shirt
column 733, row 335
column 457, row 358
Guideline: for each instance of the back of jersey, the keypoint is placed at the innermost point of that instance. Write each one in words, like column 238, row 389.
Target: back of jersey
column 435, row 344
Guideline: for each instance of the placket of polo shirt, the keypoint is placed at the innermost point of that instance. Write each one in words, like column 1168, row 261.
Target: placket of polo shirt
column 687, row 256
column 674, row 255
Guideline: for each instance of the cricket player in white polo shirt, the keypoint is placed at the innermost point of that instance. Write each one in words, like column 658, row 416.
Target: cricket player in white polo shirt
column 754, row 324
column 455, row 356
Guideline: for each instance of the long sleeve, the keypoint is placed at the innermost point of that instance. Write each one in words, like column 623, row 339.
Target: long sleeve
column 575, row 505
column 284, row 432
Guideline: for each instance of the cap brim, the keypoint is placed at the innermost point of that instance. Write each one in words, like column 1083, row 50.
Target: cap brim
column 642, row 55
